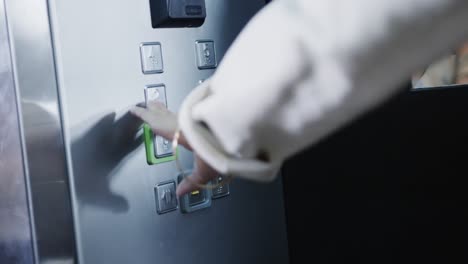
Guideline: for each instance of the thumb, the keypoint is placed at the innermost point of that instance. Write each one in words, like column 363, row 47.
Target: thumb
column 141, row 113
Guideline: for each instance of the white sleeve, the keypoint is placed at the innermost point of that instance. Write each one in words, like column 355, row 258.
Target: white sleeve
column 302, row 69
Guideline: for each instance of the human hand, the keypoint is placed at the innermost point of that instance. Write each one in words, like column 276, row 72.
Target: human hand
column 164, row 123
column 462, row 68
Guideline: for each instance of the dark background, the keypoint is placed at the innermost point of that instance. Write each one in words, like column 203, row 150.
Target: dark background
column 389, row 188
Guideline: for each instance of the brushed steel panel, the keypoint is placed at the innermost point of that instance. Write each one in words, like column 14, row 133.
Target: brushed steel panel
column 99, row 72
column 35, row 80
column 15, row 229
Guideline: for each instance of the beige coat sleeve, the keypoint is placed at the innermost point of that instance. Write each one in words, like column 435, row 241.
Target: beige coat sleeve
column 302, row 69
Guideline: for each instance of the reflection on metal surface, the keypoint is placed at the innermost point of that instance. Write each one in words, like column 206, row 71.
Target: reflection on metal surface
column 42, row 129
column 15, row 229
column 102, row 144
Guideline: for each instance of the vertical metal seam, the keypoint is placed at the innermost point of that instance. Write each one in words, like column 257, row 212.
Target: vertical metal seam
column 69, row 182
column 22, row 139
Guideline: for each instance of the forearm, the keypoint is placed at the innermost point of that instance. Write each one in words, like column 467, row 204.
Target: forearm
column 302, row 69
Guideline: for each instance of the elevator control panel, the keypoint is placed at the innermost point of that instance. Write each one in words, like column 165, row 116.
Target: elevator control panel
column 195, row 200
column 158, row 149
column 166, row 199
column 177, row 13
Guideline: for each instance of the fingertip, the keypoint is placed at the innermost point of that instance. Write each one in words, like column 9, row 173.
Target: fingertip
column 182, row 188
column 136, row 111
column 156, row 105
column 185, row 186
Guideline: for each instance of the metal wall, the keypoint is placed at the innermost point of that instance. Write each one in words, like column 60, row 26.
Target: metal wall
column 79, row 70
column 35, row 81
column 15, row 229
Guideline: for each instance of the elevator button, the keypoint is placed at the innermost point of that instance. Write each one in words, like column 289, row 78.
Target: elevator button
column 206, row 56
column 155, row 93
column 166, row 199
column 194, row 200
column 151, row 58
column 222, row 190
column 162, row 147
column 196, row 197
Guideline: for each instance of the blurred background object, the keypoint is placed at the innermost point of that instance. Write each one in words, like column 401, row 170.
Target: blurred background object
column 452, row 69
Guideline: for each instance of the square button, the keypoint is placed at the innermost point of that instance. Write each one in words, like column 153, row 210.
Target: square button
column 166, row 199
column 163, row 147
column 195, row 200
column 222, row 190
column 206, row 57
column 196, row 197
column 155, row 93
column 151, row 58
